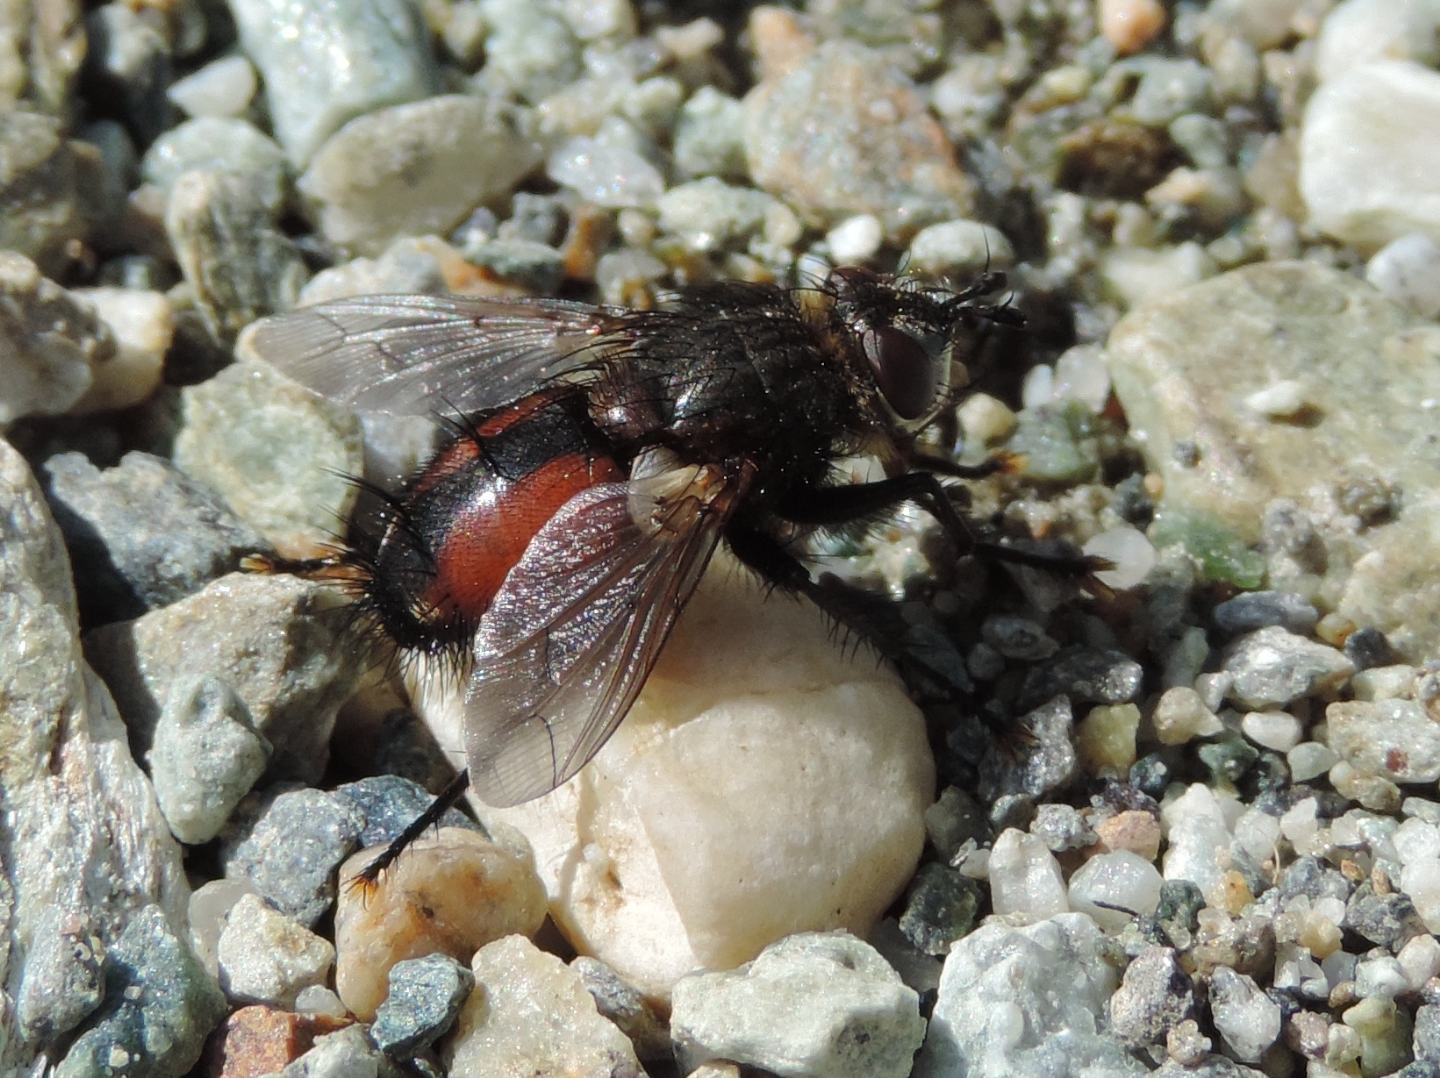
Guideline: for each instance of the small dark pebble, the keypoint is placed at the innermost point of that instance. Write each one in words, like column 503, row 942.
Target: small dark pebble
column 388, row 804
column 1385, row 920
column 425, row 996
column 624, row 1005
column 1154, row 996
column 1228, row 759
column 1368, row 648
column 1180, row 904
column 1257, row 609
column 940, row 908
column 1087, row 675
column 1151, row 775
column 1312, row 877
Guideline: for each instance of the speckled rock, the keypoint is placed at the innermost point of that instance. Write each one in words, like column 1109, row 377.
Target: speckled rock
column 814, row 1003
column 530, row 1014
column 324, row 62
column 288, row 844
column 1183, row 376
column 417, row 168
column 801, row 749
column 1048, row 985
column 390, row 804
column 275, row 640
column 275, row 452
column 1272, row 668
column 845, row 133
column 42, row 178
column 267, row 957
column 215, row 144
column 71, row 786
column 622, row 1003
column 425, row 995
column 51, row 341
column 1395, row 738
column 451, row 893
column 141, row 534
column 1154, row 996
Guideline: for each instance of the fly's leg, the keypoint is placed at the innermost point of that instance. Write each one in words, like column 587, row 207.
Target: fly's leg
column 445, row 800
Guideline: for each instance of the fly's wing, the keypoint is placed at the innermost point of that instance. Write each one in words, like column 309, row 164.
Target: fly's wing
column 575, row 630
column 413, row 355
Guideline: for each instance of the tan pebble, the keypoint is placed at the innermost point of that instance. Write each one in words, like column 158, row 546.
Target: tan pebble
column 778, row 40
column 1106, row 740
column 1133, row 830
column 450, row 894
column 1236, row 894
column 1319, row 935
column 1130, row 25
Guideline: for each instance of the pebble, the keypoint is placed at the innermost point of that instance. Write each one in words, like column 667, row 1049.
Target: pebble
column 813, row 1003
column 1362, row 175
column 451, row 892
column 530, row 1013
column 1247, row 1020
column 128, row 63
column 324, row 62
column 389, row 804
column 142, row 324
column 45, row 65
column 1180, row 716
column 238, row 264
column 1385, row 1035
column 608, row 173
column 222, row 89
column 220, row 144
column 288, row 844
column 205, row 757
column 1081, row 375
column 709, row 214
column 1025, row 878
column 417, row 168
column 1136, row 831
column 271, row 639
column 1278, row 730
column 275, row 452
column 530, row 49
column 65, row 975
column 53, row 342
column 1130, row 25
column 1154, row 997
column 802, row 747
column 1405, row 271
column 1026, row 1002
column 1359, row 32
column 425, row 997
column 1260, row 609
column 1048, row 763
column 709, row 135
column 959, row 247
column 1387, row 920
column 1198, row 838
column 1062, row 828
column 1122, row 879
column 1056, row 442
column 1273, row 667
column 1105, row 740
column 855, row 240
column 1309, row 760
column 159, row 1005
column 1087, row 675
column 1393, row 738
column 1171, row 354
column 207, row 911
column 952, row 820
column 1382, row 976
column 1017, row 638
column 262, row 1040
column 267, row 957
column 623, row 1004
column 1383, row 682
column 42, row 177
column 142, row 534
column 844, row 133
column 941, row 907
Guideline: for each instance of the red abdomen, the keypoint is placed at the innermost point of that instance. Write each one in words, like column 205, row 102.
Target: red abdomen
column 466, row 518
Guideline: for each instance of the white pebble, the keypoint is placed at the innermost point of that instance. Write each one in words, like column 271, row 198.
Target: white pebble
column 1367, row 173
column 1361, row 31
column 1257, row 833
column 1309, row 760
column 1247, row 1019
column 1407, row 271
column 985, row 419
column 1420, row 959
column 1278, row 730
column 1081, row 374
column 143, row 323
column 1380, row 976
column 1416, row 840
column 1123, row 879
column 1025, row 878
column 1180, row 715
column 1199, row 840
column 855, row 239
column 223, row 87
column 1131, row 551
column 1283, row 399
column 1421, row 881
column 1038, row 387
column 267, row 957
column 960, row 246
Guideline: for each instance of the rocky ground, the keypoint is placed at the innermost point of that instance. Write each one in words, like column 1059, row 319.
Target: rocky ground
column 1217, row 854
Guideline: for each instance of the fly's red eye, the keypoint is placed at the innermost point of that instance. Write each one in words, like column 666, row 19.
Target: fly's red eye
column 904, row 371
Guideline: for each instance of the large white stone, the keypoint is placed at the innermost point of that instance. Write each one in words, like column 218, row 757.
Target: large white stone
column 765, row 783
column 1367, row 172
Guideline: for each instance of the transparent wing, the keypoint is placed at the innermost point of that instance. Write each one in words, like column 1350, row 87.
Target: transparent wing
column 572, row 635
column 417, row 355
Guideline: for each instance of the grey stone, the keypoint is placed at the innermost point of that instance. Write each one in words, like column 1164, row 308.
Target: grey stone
column 419, row 168
column 346, row 1053
column 326, row 61
column 278, row 454
column 425, row 996
column 1259, row 609
column 64, row 976
column 537, row 266
column 275, row 640
column 71, row 787
column 1048, row 763
column 709, row 214
column 238, row 264
column 44, row 204
column 1386, row 920
column 1271, row 668
column 1087, row 675
column 1365, row 365
column 1017, row 637
column 291, row 848
column 51, row 341
column 159, row 1006
column 608, row 168
column 1062, row 828
column 413, row 264
column 205, row 757
column 1154, row 996
column 217, row 144
column 813, row 1003
column 388, row 804
column 1052, row 983
column 1427, row 1033
column 623, row 1004
column 844, row 133
column 940, row 907
column 141, row 534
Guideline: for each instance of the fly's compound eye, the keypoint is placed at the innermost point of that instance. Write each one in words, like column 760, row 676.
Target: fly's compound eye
column 905, row 372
